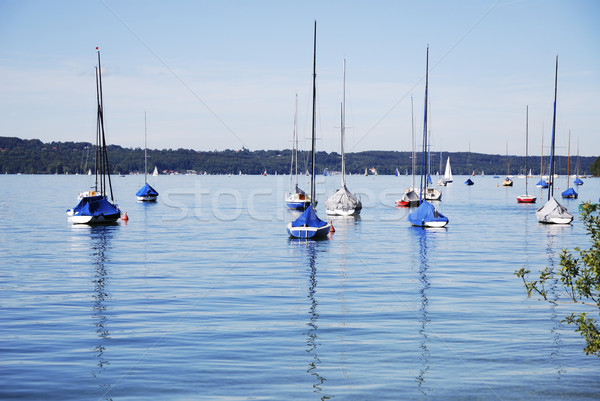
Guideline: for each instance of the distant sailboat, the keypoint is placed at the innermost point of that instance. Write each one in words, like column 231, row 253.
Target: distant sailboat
column 296, row 199
column 426, row 215
column 146, row 193
column 448, row 172
column 526, row 198
column 542, row 183
column 553, row 212
column 578, row 180
column 507, row 181
column 155, row 173
column 411, row 196
column 308, row 225
column 93, row 206
column 343, row 202
column 469, row 182
column 569, row 192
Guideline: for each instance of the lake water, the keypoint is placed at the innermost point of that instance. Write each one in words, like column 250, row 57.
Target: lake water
column 202, row 296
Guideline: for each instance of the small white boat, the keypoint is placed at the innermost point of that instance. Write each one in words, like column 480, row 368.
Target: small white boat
column 448, row 172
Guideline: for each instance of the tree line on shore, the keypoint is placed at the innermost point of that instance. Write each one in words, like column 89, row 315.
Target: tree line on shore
column 32, row 156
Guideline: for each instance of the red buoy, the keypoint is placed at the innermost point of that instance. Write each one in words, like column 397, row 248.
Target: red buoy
column 125, row 218
column 331, row 230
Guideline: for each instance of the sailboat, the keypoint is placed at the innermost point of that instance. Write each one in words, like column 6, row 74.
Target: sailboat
column 526, row 198
column 448, row 172
column 507, row 181
column 553, row 212
column 411, row 197
column 469, row 182
column 578, row 180
column 343, row 202
column 542, row 183
column 296, row 199
column 155, row 172
column 308, row 225
column 426, row 215
column 569, row 192
column 93, row 206
column 146, row 193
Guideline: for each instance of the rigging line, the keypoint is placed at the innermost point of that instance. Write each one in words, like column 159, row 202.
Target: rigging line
column 174, row 325
column 181, row 80
column 423, row 77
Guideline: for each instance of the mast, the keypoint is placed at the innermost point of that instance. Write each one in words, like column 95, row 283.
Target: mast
column 296, row 137
column 343, row 127
column 424, row 155
column 568, row 159
column 542, row 155
column 314, row 96
column 104, row 162
column 414, row 153
column 145, row 152
column 551, row 178
column 526, row 148
column 97, row 159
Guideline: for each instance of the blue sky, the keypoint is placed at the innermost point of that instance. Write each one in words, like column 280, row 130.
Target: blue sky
column 222, row 75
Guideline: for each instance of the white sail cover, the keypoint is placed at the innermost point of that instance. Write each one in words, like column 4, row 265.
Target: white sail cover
column 343, row 202
column 553, row 213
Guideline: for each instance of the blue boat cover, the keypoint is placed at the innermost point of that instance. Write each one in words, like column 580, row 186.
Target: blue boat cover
column 578, row 181
column 542, row 184
column 308, row 218
column 146, row 190
column 425, row 213
column 95, row 206
column 569, row 193
column 469, row 182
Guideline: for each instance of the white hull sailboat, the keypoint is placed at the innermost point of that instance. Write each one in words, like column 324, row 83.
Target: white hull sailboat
column 426, row 215
column 343, row 202
column 296, row 198
column 308, row 225
column 553, row 212
column 526, row 198
column 94, row 206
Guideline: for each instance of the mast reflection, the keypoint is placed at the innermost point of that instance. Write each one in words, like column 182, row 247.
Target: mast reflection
column 422, row 238
column 310, row 249
column 100, row 237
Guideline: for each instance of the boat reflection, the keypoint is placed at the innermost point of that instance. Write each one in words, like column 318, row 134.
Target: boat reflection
column 100, row 236
column 310, row 249
column 424, row 237
column 553, row 297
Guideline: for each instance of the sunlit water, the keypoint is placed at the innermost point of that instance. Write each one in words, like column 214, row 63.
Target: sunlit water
column 202, row 295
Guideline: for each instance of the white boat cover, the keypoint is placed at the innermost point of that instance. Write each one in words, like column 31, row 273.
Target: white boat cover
column 553, row 212
column 344, row 201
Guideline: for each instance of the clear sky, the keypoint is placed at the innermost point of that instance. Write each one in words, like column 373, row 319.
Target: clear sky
column 215, row 75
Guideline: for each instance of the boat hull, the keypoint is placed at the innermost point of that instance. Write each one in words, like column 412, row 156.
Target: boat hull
column 149, row 198
column 305, row 232
column 297, row 205
column 526, row 199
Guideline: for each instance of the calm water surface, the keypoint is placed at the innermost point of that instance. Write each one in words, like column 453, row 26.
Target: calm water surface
column 203, row 296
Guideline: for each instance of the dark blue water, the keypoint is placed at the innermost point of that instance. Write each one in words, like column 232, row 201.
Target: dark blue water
column 203, row 296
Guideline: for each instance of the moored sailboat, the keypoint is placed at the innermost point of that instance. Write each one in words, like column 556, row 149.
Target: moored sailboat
column 94, row 206
column 553, row 212
column 569, row 192
column 343, row 202
column 308, row 225
column 146, row 193
column 526, row 198
column 296, row 198
column 426, row 215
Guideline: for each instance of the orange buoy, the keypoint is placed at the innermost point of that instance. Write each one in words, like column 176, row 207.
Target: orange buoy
column 331, row 230
column 125, row 218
